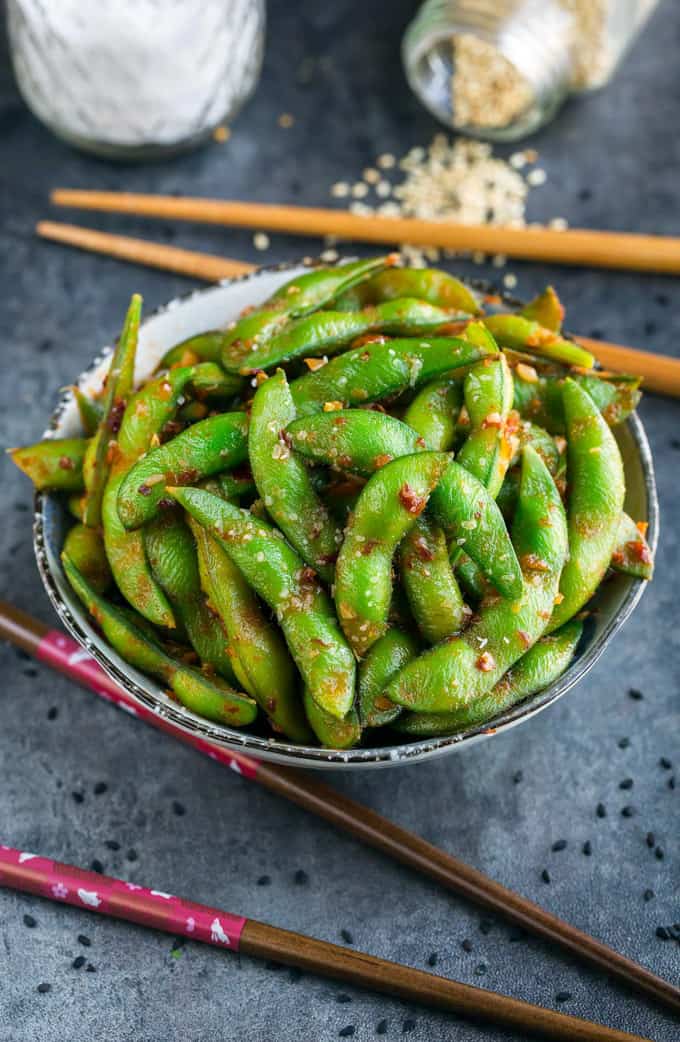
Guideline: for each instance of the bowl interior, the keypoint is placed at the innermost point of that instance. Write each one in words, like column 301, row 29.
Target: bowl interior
column 215, row 307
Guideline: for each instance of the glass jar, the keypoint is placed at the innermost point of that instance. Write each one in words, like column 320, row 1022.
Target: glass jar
column 499, row 69
column 136, row 79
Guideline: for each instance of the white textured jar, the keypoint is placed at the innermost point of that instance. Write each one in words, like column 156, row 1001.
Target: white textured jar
column 135, row 79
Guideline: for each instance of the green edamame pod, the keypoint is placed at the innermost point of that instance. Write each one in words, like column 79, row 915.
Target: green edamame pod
column 429, row 582
column 462, row 506
column 76, row 505
column 54, row 465
column 211, row 381
column 529, row 434
column 632, row 555
column 541, row 666
column 546, row 309
column 357, row 440
column 211, row 445
column 118, row 388
column 89, row 410
column 522, row 334
column 487, row 451
column 278, row 575
column 452, row 675
column 331, row 732
column 294, row 299
column 596, row 493
column 433, row 413
column 84, row 547
column 284, row 482
column 207, row 697
column 374, row 371
column 173, row 557
column 260, row 656
column 327, row 332
column 430, row 284
column 205, row 347
column 539, row 398
column 384, row 659
column 470, row 577
column 234, row 485
column 387, row 508
column 145, row 416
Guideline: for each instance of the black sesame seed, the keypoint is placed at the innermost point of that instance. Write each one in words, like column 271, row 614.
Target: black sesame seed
column 52, row 713
column 658, row 853
column 264, row 880
column 178, row 944
column 650, row 328
column 671, row 782
column 545, row 875
column 84, row 940
column 480, row 969
column 381, row 1027
column 648, row 895
column 407, row 1026
column 518, row 777
column 665, row 763
column 78, row 962
column 650, row 840
column 466, row 945
column 562, row 996
column 560, row 844
column 100, row 788
column 587, row 848
column 112, row 844
column 347, row 1032
column 432, row 959
column 44, row 988
column 30, row 671
column 627, row 783
column 636, row 695
column 585, row 194
column 663, row 934
column 601, row 810
column 624, row 743
column 178, row 808
column 347, row 936
column 301, row 877
column 343, row 997
column 90, row 968
column 662, row 300
column 674, row 443
column 131, row 854
column 77, row 797
column 627, row 811
column 294, row 974
column 29, row 921
column 97, row 866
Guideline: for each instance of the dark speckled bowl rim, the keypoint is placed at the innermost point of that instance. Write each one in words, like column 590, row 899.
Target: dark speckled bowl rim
column 274, row 749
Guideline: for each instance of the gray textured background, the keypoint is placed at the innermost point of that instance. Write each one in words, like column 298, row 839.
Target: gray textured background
column 612, row 161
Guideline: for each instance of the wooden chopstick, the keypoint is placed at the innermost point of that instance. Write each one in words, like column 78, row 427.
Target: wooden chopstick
column 573, row 246
column 660, row 373
column 57, row 650
column 93, row 892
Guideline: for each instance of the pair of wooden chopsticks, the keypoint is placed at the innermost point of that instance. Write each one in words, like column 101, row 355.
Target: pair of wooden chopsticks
column 65, row 655
column 659, row 372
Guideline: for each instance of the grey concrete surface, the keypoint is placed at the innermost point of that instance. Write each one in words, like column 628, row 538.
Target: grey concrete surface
column 612, row 161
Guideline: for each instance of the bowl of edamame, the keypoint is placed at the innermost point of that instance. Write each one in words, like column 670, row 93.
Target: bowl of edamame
column 348, row 515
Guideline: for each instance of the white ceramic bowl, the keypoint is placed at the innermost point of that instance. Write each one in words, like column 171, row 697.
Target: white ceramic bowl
column 212, row 308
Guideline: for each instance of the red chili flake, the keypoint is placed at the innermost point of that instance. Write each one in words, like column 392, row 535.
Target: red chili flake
column 116, row 416
column 639, row 550
column 524, row 637
column 340, row 421
column 307, row 576
column 494, row 419
column 486, row 662
column 618, row 557
column 368, row 546
column 422, row 549
column 381, row 460
column 144, row 490
column 65, row 463
column 533, row 563
column 411, row 501
column 369, row 338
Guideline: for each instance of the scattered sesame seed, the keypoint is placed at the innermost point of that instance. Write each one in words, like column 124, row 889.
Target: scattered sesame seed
column 78, row 797
column 662, row 933
column 84, row 940
column 509, row 280
column 432, row 959
column 178, row 808
column 370, row 175
column 221, row 134
column 648, row 895
column 558, row 224
column 381, row 1027
column 301, row 877
column 112, row 844
column 96, row 866
column 347, row 1032
column 383, row 189
column 499, row 260
column 343, row 997
column 560, row 844
column 665, row 763
column 671, row 782
column 100, row 788
column 386, row 161
column 408, row 1025
column 601, row 810
column 261, row 241
column 340, row 190
column 537, row 177
column 517, row 777
column 30, row 922
column 44, row 988
column 285, row 120
column 78, row 962
column 466, row 945
column 264, row 880
column 562, row 996
column 330, row 256
column 659, row 854
column 52, row 713
column 636, row 695
column 628, row 811
column 545, row 875
column 624, row 743
column 518, row 160
column 347, row 936
column 359, row 190
column 627, row 783
column 587, row 848
column 650, row 840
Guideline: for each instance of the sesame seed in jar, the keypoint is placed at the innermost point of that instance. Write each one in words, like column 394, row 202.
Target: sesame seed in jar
column 261, row 241
column 487, row 90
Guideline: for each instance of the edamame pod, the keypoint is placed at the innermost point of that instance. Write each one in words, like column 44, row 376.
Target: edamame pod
column 462, row 506
column 452, row 675
column 205, row 347
column 487, row 451
column 433, row 413
column 89, row 410
column 387, row 508
column 632, row 554
column 278, row 575
column 211, row 445
column 207, row 697
column 260, row 656
column 283, row 480
column 384, row 659
column 331, row 732
column 358, row 440
column 379, row 370
column 546, row 309
column 427, row 576
column 430, row 284
column 327, row 332
column 522, row 334
column 84, row 547
column 54, row 465
column 596, row 494
column 541, row 666
column 539, row 398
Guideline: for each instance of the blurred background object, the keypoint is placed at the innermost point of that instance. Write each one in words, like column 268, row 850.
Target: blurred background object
column 500, row 69
column 136, row 79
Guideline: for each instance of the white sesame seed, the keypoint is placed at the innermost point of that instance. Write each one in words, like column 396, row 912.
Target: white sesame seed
column 359, row 190
column 510, row 280
column 385, row 161
column 340, row 190
column 261, row 241
column 537, row 177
